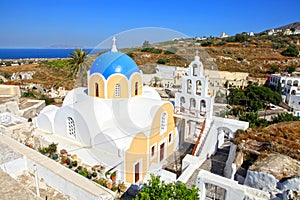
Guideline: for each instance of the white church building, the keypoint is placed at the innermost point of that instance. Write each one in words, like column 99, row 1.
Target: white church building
column 115, row 122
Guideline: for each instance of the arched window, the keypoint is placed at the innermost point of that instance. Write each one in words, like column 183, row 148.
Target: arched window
column 117, row 90
column 163, row 122
column 195, row 69
column 96, row 89
column 198, row 87
column 136, row 87
column 71, row 127
column 289, row 82
column 295, row 83
column 202, row 107
column 189, row 86
column 182, row 102
column 192, row 106
column 293, row 92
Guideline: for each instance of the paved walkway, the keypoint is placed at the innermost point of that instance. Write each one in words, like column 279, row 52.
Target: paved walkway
column 56, row 168
column 11, row 189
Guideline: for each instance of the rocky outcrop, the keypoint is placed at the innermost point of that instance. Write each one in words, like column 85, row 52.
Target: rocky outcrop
column 278, row 165
column 260, row 180
column 277, row 174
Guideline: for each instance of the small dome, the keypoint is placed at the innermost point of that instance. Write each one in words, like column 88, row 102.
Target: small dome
column 114, row 62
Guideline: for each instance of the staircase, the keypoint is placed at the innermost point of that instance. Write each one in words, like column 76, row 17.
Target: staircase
column 202, row 137
column 216, row 163
column 199, row 137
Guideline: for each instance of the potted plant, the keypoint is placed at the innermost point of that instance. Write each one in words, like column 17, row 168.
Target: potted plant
column 94, row 174
column 74, row 163
column 101, row 168
column 107, row 174
column 109, row 184
column 68, row 161
column 122, row 187
column 113, row 176
column 102, row 181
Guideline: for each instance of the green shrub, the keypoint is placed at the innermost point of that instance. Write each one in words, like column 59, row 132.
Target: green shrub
column 161, row 61
column 28, row 94
column 151, row 50
column 290, row 51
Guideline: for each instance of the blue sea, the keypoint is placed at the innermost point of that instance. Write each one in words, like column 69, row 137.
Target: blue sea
column 36, row 53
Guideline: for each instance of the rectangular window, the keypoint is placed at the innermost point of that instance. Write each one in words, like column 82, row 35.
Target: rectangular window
column 152, row 152
column 170, row 138
column 162, row 152
column 137, row 172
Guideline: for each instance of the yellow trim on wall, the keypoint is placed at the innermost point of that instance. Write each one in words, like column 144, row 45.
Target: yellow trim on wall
column 95, row 78
column 138, row 151
column 136, row 78
column 111, row 83
column 156, row 137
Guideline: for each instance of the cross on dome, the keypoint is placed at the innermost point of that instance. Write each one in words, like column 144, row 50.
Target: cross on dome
column 114, row 46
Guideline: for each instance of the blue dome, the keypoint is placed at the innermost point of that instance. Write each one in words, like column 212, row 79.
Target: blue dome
column 114, row 62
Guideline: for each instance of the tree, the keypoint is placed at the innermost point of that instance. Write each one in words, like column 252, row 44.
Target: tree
column 241, row 37
column 290, row 69
column 79, row 64
column 157, row 189
column 274, row 69
column 253, row 97
column 290, row 51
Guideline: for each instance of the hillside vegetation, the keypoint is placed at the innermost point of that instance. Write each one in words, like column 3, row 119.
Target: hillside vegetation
column 283, row 138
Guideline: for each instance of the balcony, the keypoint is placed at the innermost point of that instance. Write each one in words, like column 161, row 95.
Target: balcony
column 186, row 112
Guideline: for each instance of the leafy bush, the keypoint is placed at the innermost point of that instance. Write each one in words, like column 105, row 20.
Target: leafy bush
column 171, row 50
column 48, row 101
column 151, row 50
column 161, row 61
column 241, row 37
column 223, row 42
column 290, row 69
column 206, row 43
column 284, row 117
column 160, row 190
column 290, row 51
column 28, row 94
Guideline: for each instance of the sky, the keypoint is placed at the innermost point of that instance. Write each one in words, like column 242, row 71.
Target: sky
column 86, row 23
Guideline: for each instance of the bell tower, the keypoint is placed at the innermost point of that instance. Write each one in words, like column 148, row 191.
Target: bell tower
column 193, row 104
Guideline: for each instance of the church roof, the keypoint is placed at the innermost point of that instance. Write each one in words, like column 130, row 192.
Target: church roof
column 111, row 63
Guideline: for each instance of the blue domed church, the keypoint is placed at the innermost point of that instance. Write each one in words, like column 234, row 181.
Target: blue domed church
column 116, row 122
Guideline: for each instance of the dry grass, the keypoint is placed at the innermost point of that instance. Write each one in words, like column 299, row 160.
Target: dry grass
column 282, row 138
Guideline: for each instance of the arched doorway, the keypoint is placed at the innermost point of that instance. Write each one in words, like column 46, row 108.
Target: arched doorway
column 224, row 134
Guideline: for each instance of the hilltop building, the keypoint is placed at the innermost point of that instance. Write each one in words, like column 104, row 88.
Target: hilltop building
column 224, row 35
column 290, row 85
column 115, row 122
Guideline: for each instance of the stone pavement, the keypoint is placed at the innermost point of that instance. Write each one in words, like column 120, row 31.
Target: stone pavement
column 11, row 189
